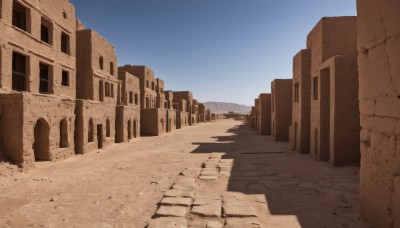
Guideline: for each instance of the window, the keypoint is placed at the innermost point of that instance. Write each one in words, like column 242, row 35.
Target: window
column 112, row 90
column 46, row 31
column 147, row 84
column 315, row 88
column 18, row 72
column 19, row 16
column 65, row 78
column 91, row 131
column 107, row 85
column 111, row 68
column 65, row 43
column 131, row 97
column 101, row 63
column 65, row 16
column 101, row 91
column 44, row 78
column 152, row 86
column 108, row 128
column 296, row 92
column 64, row 134
column 136, row 99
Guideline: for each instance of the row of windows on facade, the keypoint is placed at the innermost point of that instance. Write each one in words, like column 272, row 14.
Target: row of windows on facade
column 152, row 86
column 19, row 72
column 101, row 65
column 20, row 20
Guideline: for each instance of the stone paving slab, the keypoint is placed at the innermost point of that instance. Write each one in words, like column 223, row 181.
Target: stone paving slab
column 190, row 173
column 172, row 211
column 188, row 193
column 209, row 173
column 203, row 194
column 165, row 222
column 200, row 202
column 243, row 223
column 184, row 185
column 235, row 202
column 208, row 177
column 208, row 210
column 238, row 211
column 176, row 201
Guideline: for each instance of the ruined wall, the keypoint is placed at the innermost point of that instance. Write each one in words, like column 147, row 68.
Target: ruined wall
column 91, row 137
column 127, row 123
column 379, row 54
column 281, row 96
column 300, row 140
column 265, row 114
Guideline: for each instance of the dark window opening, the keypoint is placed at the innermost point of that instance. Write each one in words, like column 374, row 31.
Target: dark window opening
column 130, row 97
column 91, row 131
column 65, row 43
column 18, row 72
column 136, row 99
column 19, row 16
column 315, row 88
column 101, row 91
column 46, row 31
column 108, row 128
column 65, row 16
column 111, row 68
column 112, row 90
column 44, row 78
column 101, row 63
column 65, row 78
column 152, row 86
column 107, row 85
column 64, row 134
column 147, row 84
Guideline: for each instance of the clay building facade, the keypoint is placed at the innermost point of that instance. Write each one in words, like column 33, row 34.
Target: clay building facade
column 257, row 114
column 195, row 109
column 97, row 92
column 300, row 128
column 334, row 127
column 264, row 114
column 128, row 109
column 202, row 114
column 37, row 80
column 185, row 101
column 281, row 109
column 379, row 89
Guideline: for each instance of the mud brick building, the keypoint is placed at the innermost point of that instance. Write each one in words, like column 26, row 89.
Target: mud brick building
column 202, row 116
column 195, row 109
column 281, row 109
column 257, row 114
column 335, row 126
column 264, row 114
column 300, row 129
column 37, row 80
column 378, row 64
column 128, row 109
column 97, row 92
column 154, row 118
column 208, row 115
column 184, row 99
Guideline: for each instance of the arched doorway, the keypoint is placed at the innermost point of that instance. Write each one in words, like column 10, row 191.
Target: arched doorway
column 108, row 128
column 129, row 130
column 134, row 128
column 41, row 143
column 64, row 134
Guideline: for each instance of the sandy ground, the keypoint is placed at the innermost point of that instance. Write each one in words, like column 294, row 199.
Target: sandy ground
column 122, row 185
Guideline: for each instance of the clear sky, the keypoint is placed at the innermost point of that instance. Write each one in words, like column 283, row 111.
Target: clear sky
column 221, row 50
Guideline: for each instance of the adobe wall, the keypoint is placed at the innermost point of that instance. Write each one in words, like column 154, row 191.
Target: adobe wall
column 184, row 119
column 29, row 44
column 300, row 140
column 379, row 89
column 153, row 121
column 96, row 66
column 265, row 114
column 20, row 146
column 99, row 113
column 257, row 114
column 171, row 121
column 281, row 108
column 127, row 123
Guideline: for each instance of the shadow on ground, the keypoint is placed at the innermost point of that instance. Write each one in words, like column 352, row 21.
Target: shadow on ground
column 294, row 185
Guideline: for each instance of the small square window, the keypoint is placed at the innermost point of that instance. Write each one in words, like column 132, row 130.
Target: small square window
column 65, row 78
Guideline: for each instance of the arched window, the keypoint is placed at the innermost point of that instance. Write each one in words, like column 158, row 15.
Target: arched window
column 64, row 134
column 91, row 131
column 108, row 128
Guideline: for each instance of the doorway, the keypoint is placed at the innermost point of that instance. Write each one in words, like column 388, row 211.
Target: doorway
column 100, row 136
column 41, row 143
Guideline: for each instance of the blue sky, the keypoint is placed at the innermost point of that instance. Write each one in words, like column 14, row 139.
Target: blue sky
column 221, row 50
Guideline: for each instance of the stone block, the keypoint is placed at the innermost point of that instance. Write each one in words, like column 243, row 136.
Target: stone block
column 176, row 201
column 172, row 211
column 164, row 222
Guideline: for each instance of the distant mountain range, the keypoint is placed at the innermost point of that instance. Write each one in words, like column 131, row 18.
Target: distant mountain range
column 223, row 107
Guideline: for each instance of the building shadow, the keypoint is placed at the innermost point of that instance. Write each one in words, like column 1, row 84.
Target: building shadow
column 287, row 180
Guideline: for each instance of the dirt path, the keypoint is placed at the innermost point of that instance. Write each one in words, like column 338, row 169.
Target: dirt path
column 122, row 186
